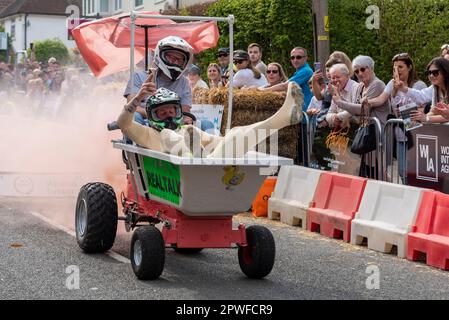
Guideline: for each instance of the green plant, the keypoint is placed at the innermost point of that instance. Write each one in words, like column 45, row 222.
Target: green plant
column 3, row 52
column 51, row 48
column 418, row 27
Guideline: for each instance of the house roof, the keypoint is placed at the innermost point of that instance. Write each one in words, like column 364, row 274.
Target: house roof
column 4, row 4
column 49, row 7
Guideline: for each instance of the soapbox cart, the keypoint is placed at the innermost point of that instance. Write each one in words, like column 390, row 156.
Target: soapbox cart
column 191, row 200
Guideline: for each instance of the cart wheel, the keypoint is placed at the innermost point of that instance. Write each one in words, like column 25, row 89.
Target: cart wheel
column 96, row 217
column 147, row 253
column 257, row 259
column 187, row 250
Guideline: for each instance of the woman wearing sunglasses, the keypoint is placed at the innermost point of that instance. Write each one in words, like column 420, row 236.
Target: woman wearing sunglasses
column 369, row 87
column 246, row 75
column 437, row 93
column 275, row 74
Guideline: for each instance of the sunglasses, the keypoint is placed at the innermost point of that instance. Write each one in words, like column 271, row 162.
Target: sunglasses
column 296, row 57
column 357, row 71
column 222, row 55
column 445, row 46
column 272, row 71
column 239, row 61
column 434, row 72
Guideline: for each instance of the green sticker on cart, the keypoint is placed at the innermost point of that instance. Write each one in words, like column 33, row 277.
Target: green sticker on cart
column 164, row 179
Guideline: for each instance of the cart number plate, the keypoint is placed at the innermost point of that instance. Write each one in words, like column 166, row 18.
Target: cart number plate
column 164, row 179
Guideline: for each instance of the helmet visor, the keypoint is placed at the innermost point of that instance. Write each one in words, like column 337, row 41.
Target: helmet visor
column 166, row 111
column 174, row 58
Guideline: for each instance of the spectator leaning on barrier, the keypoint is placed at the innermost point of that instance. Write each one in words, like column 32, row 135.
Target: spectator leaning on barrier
column 403, row 70
column 214, row 76
column 255, row 55
column 195, row 81
column 437, row 93
column 371, row 87
column 247, row 75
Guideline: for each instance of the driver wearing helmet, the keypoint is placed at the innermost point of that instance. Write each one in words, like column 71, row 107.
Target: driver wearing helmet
column 163, row 110
column 172, row 57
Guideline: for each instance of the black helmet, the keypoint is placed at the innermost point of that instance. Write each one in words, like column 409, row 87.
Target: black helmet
column 241, row 55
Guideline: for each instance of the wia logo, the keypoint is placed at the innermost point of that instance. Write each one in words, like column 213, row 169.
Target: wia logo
column 424, row 153
column 427, row 158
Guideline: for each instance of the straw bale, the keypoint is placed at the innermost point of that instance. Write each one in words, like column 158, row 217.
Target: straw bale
column 251, row 106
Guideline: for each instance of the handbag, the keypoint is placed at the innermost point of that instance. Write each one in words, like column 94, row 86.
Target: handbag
column 365, row 137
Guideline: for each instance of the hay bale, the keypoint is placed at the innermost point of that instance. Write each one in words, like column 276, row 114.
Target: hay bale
column 251, row 106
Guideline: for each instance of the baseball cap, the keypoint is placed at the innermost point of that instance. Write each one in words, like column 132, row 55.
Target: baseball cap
column 241, row 55
column 223, row 51
column 194, row 69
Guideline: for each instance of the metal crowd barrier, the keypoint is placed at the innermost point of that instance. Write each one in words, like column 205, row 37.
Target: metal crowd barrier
column 395, row 171
column 306, row 129
column 376, row 157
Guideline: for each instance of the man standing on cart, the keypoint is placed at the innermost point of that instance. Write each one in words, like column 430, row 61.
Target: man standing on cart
column 172, row 57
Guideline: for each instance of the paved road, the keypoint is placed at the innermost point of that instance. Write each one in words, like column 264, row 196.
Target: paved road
column 35, row 255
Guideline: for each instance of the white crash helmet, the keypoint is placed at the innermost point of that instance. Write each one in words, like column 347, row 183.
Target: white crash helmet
column 173, row 43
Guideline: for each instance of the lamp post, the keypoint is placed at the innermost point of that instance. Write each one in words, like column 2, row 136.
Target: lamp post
column 321, row 25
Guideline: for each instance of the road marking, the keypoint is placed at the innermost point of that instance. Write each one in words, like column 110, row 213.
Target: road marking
column 112, row 254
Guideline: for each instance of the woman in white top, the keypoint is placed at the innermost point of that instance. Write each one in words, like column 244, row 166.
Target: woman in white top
column 246, row 75
column 403, row 70
column 437, row 93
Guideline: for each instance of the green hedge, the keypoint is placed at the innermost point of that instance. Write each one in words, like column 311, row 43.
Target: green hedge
column 418, row 27
column 51, row 48
column 277, row 26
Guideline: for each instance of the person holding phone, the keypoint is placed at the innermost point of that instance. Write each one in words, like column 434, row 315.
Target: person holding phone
column 437, row 93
